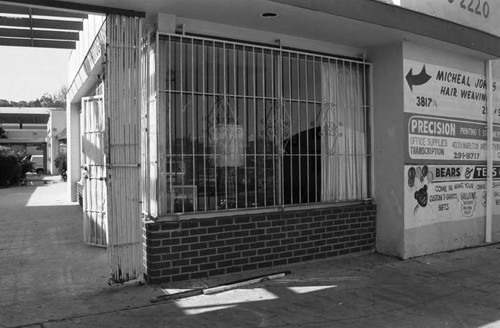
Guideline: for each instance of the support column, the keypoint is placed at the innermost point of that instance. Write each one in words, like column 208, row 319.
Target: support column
column 489, row 153
column 73, row 148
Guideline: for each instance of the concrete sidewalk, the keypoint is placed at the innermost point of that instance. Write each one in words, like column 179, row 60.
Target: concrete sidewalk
column 49, row 278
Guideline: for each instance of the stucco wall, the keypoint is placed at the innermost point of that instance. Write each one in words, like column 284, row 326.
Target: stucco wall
column 36, row 135
column 405, row 227
column 435, row 235
column 388, row 146
column 55, row 126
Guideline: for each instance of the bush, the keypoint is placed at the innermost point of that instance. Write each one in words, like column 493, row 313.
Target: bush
column 13, row 167
column 61, row 164
column 26, row 165
column 9, row 168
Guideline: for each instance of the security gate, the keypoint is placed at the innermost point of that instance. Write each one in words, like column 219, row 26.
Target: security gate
column 95, row 231
column 123, row 107
column 111, row 154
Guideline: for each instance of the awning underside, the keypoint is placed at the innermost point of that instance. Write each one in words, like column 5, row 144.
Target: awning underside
column 23, row 26
column 23, row 118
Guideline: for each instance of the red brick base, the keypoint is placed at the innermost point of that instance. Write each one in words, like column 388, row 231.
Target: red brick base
column 200, row 248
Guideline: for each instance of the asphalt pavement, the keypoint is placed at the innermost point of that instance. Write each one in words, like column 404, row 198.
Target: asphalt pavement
column 49, row 278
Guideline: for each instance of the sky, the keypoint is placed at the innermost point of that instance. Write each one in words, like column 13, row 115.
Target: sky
column 27, row 73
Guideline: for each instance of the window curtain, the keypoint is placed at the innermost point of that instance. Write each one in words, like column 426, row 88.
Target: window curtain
column 343, row 133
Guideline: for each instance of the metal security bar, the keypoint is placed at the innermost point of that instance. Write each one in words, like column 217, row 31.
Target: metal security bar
column 248, row 126
column 123, row 151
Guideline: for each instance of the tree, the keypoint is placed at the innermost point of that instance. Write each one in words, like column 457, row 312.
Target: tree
column 57, row 100
column 46, row 100
column 61, row 164
column 60, row 97
column 35, row 103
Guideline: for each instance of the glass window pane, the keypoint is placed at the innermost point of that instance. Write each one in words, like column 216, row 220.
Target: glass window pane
column 249, row 126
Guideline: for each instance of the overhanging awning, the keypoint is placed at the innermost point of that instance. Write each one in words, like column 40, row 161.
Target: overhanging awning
column 24, row 116
column 24, row 26
column 406, row 22
column 22, row 141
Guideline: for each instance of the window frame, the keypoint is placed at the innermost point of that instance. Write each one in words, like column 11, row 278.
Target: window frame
column 163, row 209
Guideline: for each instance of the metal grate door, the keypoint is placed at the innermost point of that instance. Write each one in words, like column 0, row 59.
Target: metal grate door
column 123, row 107
column 94, row 172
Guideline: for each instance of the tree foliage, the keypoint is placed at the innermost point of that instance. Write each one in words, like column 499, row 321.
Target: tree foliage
column 57, row 100
column 13, row 167
column 61, row 163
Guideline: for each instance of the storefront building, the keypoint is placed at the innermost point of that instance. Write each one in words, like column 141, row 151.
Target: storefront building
column 273, row 132
column 35, row 131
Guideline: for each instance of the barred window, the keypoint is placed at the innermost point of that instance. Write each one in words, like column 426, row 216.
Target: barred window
column 250, row 126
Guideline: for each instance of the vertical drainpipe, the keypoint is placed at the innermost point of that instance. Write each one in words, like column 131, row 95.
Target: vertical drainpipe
column 489, row 155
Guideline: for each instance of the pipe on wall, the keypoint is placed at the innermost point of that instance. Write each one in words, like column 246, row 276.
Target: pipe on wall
column 489, row 155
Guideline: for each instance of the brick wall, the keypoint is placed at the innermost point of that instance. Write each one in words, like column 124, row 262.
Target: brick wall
column 200, row 248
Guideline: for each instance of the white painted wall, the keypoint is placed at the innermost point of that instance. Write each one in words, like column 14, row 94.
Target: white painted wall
column 388, row 154
column 453, row 232
column 55, row 125
column 35, row 135
column 73, row 148
column 171, row 23
column 91, row 27
column 397, row 234
column 77, row 86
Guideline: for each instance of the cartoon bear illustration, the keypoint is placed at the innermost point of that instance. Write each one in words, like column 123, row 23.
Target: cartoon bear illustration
column 421, row 196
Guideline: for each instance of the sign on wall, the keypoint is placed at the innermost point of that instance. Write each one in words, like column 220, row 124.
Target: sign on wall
column 479, row 14
column 445, row 112
column 447, row 193
column 437, row 138
column 436, row 90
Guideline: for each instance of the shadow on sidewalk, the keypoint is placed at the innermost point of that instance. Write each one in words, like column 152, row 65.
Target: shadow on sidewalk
column 49, row 276
column 46, row 270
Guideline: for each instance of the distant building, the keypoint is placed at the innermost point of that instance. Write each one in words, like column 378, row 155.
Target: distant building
column 35, row 130
column 56, row 137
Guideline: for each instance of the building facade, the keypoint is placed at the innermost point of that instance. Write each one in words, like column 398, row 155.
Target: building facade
column 34, row 130
column 262, row 133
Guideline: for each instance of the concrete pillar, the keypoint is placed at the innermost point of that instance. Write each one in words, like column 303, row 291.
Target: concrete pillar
column 388, row 135
column 73, row 148
column 53, row 152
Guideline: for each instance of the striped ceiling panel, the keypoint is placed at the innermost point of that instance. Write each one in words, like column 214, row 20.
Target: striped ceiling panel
column 24, row 26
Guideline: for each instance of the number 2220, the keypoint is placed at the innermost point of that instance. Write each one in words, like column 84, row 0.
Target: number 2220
column 481, row 10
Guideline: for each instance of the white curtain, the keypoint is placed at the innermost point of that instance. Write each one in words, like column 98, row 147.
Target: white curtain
column 343, row 129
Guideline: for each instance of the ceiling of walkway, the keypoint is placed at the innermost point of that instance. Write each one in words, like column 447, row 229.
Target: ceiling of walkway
column 29, row 26
column 313, row 24
column 248, row 14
